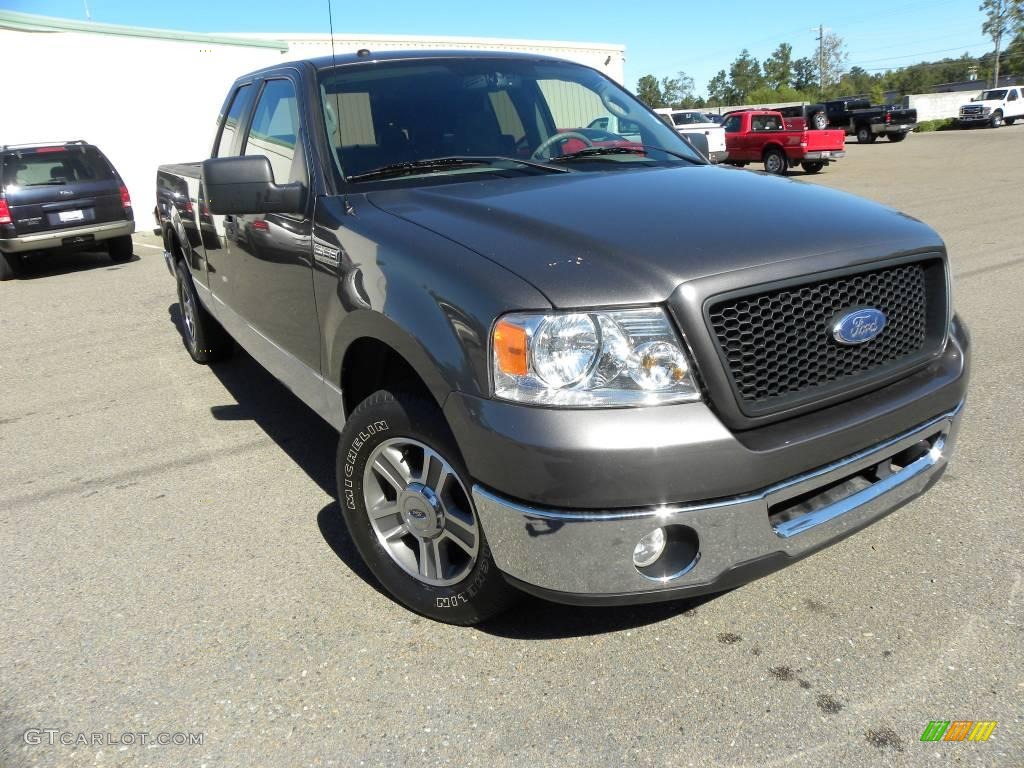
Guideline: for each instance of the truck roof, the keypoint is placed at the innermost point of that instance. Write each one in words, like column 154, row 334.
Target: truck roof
column 365, row 56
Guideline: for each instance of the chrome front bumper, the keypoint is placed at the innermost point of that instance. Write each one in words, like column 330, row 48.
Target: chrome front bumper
column 586, row 557
column 57, row 238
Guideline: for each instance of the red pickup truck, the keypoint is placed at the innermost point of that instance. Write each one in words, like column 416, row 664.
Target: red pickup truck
column 761, row 135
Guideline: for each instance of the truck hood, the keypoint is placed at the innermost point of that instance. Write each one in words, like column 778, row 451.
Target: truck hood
column 627, row 237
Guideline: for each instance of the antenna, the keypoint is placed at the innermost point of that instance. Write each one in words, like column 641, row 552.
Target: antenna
column 337, row 95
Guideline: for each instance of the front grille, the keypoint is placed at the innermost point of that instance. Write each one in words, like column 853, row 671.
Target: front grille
column 970, row 111
column 778, row 348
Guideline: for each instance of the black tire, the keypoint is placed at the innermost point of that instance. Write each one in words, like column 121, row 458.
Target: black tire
column 775, row 161
column 864, row 135
column 483, row 592
column 1010, row 120
column 818, row 121
column 205, row 340
column 812, row 167
column 10, row 265
column 897, row 137
column 121, row 249
column 996, row 120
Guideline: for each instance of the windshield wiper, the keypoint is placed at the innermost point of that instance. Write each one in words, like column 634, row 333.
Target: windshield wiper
column 443, row 163
column 632, row 149
column 46, row 183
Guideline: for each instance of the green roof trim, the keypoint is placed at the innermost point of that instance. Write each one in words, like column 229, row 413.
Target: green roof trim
column 30, row 22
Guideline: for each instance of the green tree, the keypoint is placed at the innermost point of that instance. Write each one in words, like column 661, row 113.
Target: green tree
column 719, row 91
column 805, row 74
column 648, row 90
column 778, row 68
column 1002, row 17
column 677, row 92
column 745, row 75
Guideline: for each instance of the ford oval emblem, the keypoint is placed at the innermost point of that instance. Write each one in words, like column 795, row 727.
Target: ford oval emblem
column 858, row 326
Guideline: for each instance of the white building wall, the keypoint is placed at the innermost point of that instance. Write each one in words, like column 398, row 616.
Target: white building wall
column 147, row 101
column 938, row 106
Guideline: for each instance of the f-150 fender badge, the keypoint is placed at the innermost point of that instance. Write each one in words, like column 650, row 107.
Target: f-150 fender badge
column 326, row 254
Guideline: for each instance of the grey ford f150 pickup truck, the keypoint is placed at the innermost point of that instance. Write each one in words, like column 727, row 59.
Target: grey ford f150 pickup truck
column 600, row 372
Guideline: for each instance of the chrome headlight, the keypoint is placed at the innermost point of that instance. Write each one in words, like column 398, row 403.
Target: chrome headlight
column 986, row 110
column 626, row 357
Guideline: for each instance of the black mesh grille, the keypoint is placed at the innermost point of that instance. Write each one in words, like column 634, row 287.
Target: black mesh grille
column 779, row 345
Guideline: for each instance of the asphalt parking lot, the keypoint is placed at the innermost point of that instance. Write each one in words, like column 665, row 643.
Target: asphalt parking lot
column 174, row 561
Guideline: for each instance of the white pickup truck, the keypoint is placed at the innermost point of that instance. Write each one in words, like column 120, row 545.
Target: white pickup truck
column 994, row 107
column 695, row 126
column 693, row 123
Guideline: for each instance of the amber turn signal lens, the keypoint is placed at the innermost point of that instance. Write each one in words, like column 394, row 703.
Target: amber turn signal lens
column 510, row 348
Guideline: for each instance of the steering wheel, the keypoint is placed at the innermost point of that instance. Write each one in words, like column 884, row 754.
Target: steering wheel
column 550, row 141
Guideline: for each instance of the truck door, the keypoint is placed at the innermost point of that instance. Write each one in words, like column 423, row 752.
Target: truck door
column 270, row 266
column 1014, row 104
column 734, row 140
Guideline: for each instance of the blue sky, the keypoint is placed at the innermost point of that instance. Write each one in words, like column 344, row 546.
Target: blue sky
column 660, row 37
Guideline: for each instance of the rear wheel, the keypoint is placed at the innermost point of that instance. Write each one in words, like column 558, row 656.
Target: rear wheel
column 405, row 496
column 897, row 137
column 996, row 120
column 775, row 161
column 812, row 167
column 864, row 135
column 819, row 121
column 1010, row 120
column 121, row 249
column 9, row 266
column 204, row 339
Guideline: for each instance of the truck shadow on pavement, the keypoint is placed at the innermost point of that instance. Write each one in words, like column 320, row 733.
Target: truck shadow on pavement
column 311, row 443
column 53, row 263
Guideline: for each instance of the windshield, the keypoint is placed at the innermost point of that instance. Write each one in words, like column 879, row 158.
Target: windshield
column 992, row 95
column 410, row 111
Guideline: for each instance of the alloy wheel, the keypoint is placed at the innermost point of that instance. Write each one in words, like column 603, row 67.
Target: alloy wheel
column 420, row 511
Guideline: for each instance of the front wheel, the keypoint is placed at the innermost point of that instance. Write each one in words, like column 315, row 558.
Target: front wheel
column 996, row 119
column 864, row 135
column 812, row 167
column 405, row 496
column 775, row 162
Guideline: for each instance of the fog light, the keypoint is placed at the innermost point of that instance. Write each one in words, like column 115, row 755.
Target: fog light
column 649, row 548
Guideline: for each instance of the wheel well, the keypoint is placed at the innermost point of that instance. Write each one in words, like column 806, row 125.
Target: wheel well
column 370, row 365
column 769, row 147
column 171, row 240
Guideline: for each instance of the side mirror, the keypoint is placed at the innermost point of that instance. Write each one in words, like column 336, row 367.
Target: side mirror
column 246, row 185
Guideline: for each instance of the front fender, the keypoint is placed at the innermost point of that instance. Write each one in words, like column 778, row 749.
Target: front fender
column 431, row 300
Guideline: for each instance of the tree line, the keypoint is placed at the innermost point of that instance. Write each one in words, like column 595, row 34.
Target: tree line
column 781, row 78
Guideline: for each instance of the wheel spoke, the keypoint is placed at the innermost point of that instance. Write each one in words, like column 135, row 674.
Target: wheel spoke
column 394, row 476
column 383, row 509
column 426, row 564
column 467, row 548
column 395, row 533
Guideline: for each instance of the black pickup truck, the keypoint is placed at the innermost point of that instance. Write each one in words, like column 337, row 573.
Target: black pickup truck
column 860, row 118
column 600, row 372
